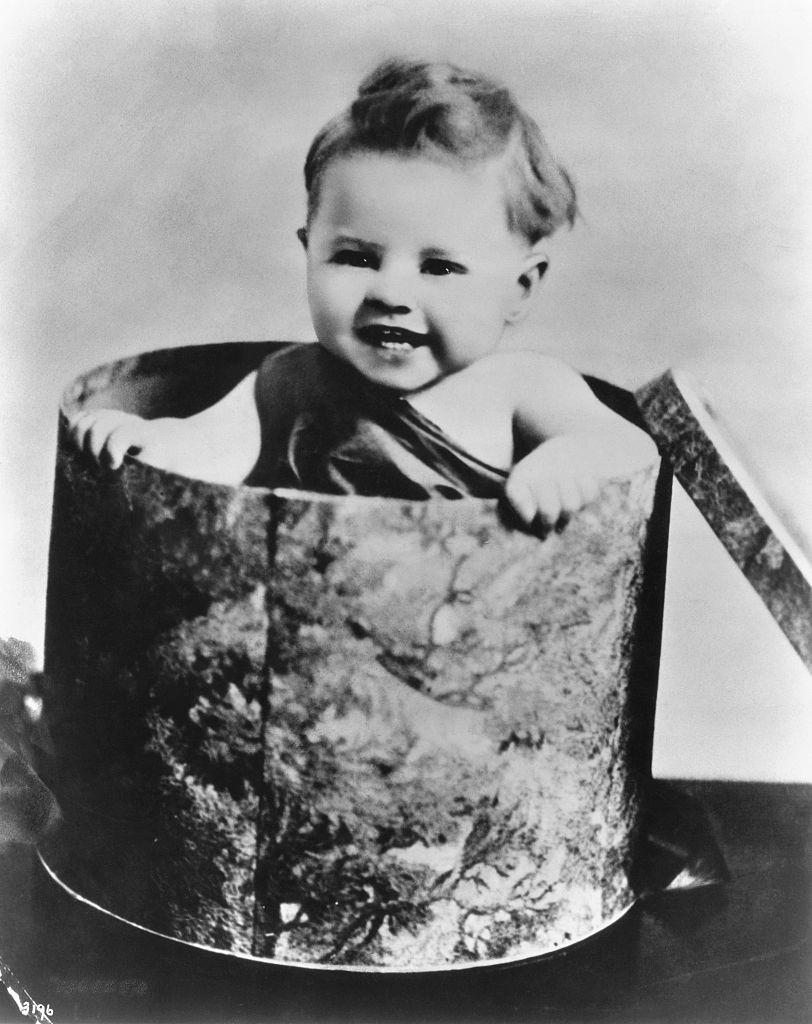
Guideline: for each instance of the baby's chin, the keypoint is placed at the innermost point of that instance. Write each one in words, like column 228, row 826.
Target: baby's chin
column 401, row 369
column 403, row 383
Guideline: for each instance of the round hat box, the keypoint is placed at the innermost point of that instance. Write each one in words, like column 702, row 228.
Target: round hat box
column 338, row 731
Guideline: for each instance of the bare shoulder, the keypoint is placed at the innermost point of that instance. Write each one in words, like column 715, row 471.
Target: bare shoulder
column 548, row 397
column 526, row 372
column 510, row 379
column 528, row 360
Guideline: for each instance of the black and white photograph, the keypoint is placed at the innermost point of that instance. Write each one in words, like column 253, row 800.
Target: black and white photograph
column 405, row 511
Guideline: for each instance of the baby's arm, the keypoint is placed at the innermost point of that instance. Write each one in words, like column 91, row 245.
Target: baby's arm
column 220, row 444
column 575, row 442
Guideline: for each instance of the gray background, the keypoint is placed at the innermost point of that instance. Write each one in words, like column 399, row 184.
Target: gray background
column 151, row 188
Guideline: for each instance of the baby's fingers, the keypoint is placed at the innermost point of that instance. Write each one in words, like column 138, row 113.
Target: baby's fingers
column 108, row 431
column 534, row 499
column 79, row 425
column 570, row 495
column 520, row 498
column 589, row 486
column 100, row 430
column 121, row 440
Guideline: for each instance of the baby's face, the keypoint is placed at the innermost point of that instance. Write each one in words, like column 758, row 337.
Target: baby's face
column 412, row 271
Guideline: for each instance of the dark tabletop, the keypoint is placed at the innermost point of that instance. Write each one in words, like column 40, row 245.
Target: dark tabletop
column 733, row 952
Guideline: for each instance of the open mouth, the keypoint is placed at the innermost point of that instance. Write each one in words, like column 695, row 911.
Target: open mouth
column 391, row 339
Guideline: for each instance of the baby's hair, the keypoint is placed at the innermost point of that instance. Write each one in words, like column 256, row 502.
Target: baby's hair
column 453, row 116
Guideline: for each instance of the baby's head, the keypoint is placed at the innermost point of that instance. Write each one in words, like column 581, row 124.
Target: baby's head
column 432, row 172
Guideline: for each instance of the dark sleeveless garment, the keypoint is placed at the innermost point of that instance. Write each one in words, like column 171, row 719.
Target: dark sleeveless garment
column 327, row 428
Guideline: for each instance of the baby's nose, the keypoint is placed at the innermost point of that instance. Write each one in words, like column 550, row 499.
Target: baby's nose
column 390, row 291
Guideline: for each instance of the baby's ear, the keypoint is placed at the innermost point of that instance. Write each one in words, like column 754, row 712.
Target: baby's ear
column 301, row 234
column 534, row 272
column 535, row 268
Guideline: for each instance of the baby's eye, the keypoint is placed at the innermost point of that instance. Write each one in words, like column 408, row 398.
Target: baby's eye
column 353, row 258
column 440, row 268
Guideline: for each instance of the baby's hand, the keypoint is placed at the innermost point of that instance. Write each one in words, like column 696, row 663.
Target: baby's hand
column 565, row 473
column 552, row 482
column 221, row 443
column 108, row 434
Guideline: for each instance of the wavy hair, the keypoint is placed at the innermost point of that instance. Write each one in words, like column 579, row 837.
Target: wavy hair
column 445, row 113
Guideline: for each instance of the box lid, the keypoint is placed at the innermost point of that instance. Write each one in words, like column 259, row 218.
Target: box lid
column 705, row 462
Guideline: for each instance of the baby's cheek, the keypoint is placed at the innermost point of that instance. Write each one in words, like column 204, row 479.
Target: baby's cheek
column 321, row 312
column 333, row 299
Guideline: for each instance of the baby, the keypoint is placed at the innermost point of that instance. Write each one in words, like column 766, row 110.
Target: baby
column 429, row 200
